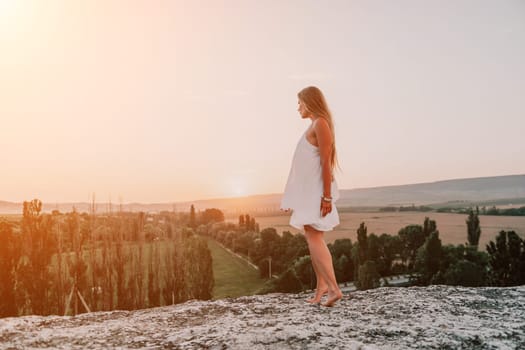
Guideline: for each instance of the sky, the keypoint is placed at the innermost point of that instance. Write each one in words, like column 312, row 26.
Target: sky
column 164, row 101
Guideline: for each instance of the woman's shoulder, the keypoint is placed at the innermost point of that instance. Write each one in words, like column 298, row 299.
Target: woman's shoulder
column 320, row 124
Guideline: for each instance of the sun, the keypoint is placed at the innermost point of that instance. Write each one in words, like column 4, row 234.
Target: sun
column 238, row 191
column 236, row 186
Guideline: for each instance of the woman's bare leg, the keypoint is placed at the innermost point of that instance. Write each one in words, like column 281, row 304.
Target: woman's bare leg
column 321, row 287
column 322, row 258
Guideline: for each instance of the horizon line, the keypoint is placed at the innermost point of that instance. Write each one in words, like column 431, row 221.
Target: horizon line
column 254, row 195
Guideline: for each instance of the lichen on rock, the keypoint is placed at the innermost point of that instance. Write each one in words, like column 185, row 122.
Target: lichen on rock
column 384, row 318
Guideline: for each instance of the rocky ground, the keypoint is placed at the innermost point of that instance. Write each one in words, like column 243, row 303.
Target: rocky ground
column 435, row 317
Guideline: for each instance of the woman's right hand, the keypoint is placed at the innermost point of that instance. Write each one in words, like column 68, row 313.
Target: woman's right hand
column 326, row 207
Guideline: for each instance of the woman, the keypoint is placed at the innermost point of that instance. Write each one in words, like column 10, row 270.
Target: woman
column 311, row 190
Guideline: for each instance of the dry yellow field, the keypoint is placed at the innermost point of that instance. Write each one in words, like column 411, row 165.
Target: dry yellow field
column 452, row 227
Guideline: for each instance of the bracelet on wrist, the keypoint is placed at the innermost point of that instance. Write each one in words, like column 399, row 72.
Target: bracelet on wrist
column 327, row 199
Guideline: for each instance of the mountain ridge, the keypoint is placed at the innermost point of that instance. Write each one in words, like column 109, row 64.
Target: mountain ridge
column 466, row 189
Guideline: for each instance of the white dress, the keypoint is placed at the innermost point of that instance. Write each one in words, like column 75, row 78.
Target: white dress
column 304, row 190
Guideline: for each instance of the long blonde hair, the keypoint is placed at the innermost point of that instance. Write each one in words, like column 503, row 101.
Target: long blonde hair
column 315, row 103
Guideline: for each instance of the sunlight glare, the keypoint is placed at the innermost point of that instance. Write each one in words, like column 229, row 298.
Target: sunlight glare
column 238, row 191
column 237, row 187
column 7, row 7
column 8, row 13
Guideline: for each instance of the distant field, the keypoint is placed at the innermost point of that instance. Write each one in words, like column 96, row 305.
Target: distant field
column 11, row 217
column 233, row 277
column 452, row 227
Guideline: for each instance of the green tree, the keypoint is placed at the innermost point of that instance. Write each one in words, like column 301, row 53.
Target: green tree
column 154, row 290
column 390, row 248
column 288, row 282
column 507, row 259
column 247, row 221
column 365, row 275
column 295, row 248
column 9, row 255
column 463, row 266
column 343, row 268
column 429, row 259
column 493, row 211
column 198, row 268
column 38, row 246
column 374, row 247
column 179, row 266
column 412, row 238
column 362, row 244
column 172, row 285
column 76, row 262
column 266, row 248
column 341, row 246
column 465, row 273
column 305, row 272
column 207, row 281
column 473, row 228
column 368, row 277
column 212, row 215
column 269, row 239
column 360, row 250
column 193, row 223
column 77, row 270
column 119, row 262
column 243, row 243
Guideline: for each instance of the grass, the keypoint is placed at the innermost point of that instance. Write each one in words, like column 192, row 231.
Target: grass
column 233, row 276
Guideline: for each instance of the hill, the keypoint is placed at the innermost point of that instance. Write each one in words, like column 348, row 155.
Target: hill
column 435, row 317
column 508, row 188
column 460, row 190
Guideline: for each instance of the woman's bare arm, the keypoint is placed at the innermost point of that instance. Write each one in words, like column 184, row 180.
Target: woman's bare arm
column 324, row 140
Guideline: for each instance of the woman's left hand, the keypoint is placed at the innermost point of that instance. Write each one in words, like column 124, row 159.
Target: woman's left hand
column 326, row 207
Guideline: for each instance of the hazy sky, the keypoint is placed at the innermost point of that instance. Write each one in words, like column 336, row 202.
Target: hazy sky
column 159, row 101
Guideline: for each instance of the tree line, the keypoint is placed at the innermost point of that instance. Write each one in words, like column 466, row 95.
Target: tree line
column 416, row 250
column 412, row 207
column 485, row 211
column 65, row 263
column 458, row 210
column 62, row 263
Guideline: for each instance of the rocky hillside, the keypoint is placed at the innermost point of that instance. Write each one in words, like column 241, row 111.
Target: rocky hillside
column 436, row 317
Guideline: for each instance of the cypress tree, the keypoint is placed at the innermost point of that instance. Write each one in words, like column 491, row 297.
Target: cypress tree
column 429, row 259
column 362, row 242
column 193, row 223
column 8, row 261
column 473, row 228
column 39, row 247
